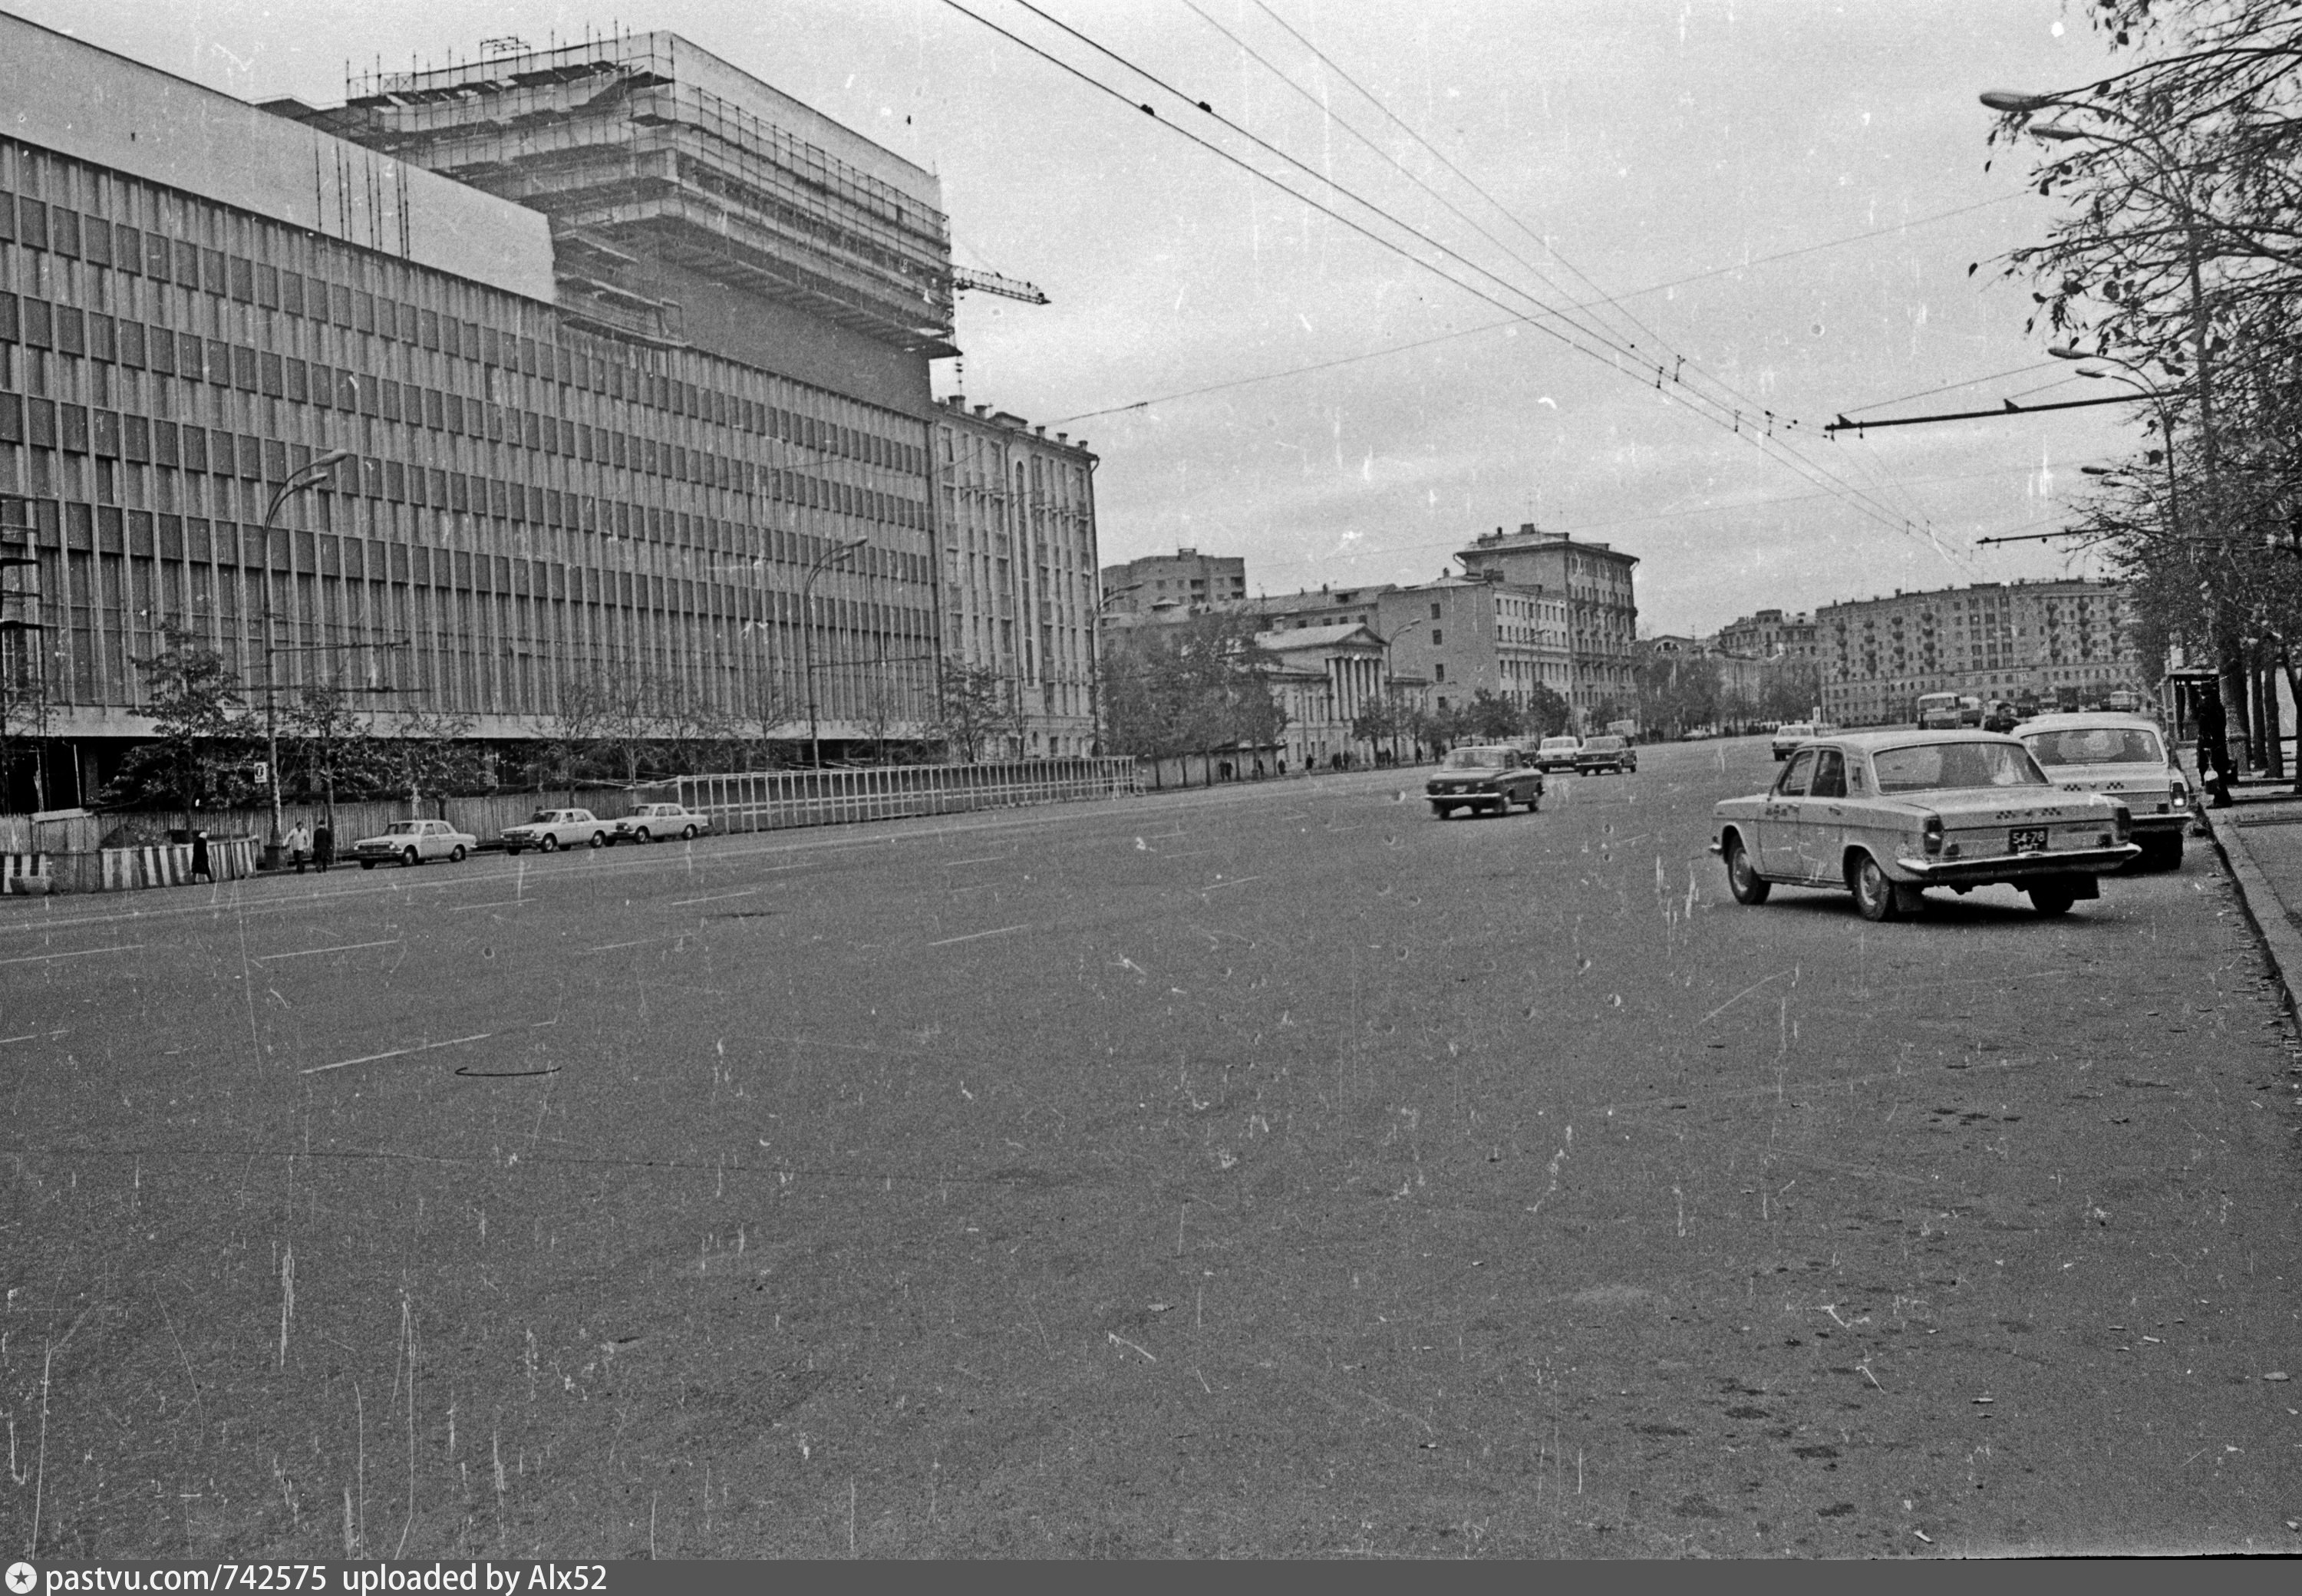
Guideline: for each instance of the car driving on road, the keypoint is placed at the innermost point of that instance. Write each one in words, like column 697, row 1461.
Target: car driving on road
column 660, row 822
column 1792, row 733
column 1490, row 777
column 413, row 842
column 1887, row 815
column 1556, row 753
column 1605, row 753
column 549, row 829
column 2126, row 757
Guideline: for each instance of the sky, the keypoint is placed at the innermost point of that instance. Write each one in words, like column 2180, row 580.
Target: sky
column 1685, row 236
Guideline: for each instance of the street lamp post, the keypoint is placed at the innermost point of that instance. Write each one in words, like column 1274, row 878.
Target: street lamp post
column 301, row 481
column 834, row 555
column 1390, row 706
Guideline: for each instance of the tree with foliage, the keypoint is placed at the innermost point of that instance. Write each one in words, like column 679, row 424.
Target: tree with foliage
column 1489, row 718
column 1190, row 686
column 977, row 709
column 23, row 706
column 2176, row 267
column 1676, row 691
column 572, row 730
column 431, row 752
column 327, row 747
column 193, row 697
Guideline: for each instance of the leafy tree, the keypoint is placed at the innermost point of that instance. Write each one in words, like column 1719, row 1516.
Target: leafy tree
column 1189, row 686
column 572, row 731
column 431, row 752
column 976, row 709
column 1489, row 718
column 23, row 705
column 1548, row 713
column 198, row 719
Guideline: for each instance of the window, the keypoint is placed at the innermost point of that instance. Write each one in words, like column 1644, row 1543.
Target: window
column 1796, row 775
column 1439, row 674
column 1434, row 612
column 1438, row 638
column 1829, row 775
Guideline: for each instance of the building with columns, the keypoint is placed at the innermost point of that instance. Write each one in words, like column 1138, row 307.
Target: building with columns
column 1323, row 678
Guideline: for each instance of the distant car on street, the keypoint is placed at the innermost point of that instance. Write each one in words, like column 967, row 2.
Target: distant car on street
column 1887, row 815
column 1488, row 777
column 547, row 830
column 1556, row 753
column 1605, row 753
column 1789, row 734
column 660, row 822
column 412, row 843
column 2125, row 756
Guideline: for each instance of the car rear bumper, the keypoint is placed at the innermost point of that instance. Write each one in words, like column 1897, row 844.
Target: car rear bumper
column 2014, row 867
column 2177, row 821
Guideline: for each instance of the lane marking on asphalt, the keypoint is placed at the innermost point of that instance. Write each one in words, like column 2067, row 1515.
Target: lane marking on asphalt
column 347, row 948
column 85, row 953
column 1241, row 881
column 951, row 864
column 978, row 936
column 612, row 946
column 716, row 897
column 493, row 904
column 371, row 1058
column 32, row 1035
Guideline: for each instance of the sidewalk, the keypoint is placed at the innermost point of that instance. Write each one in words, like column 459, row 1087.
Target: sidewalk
column 2260, row 837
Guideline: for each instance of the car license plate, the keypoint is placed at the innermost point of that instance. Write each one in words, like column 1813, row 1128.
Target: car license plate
column 2027, row 839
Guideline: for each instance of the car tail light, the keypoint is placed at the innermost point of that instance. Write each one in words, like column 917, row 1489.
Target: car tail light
column 1932, row 837
column 2122, row 823
column 2179, row 796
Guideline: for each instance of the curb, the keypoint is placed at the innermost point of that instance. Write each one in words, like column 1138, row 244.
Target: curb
column 2264, row 908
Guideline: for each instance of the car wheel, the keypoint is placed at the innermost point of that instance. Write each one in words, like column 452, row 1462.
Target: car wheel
column 598, row 839
column 1442, row 810
column 687, row 834
column 456, row 854
column 1742, row 877
column 550, row 844
column 511, row 853
column 2163, row 852
column 1874, row 894
column 368, row 864
column 640, row 834
column 2051, row 900
column 410, row 858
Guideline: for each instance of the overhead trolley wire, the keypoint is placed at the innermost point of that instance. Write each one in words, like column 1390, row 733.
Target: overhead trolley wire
column 1853, row 496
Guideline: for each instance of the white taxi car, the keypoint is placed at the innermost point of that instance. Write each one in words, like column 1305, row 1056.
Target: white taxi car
column 1887, row 815
column 1791, row 733
column 2126, row 756
column 549, row 829
column 412, row 841
column 659, row 822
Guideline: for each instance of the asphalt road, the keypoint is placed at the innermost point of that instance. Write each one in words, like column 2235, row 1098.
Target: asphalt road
column 1270, row 1171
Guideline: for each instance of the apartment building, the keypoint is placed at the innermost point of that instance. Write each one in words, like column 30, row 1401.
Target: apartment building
column 2065, row 641
column 1769, row 634
column 1187, row 580
column 1591, row 584
column 1017, row 524
column 1463, row 634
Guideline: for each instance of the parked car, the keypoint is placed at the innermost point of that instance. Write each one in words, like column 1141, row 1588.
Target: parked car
column 1605, row 753
column 2127, row 757
column 1556, row 753
column 412, row 841
column 657, row 822
column 1887, row 815
column 1789, row 734
column 549, row 829
column 1489, row 776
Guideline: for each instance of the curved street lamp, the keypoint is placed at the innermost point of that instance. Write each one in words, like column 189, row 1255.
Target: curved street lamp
column 301, row 481
column 837, row 554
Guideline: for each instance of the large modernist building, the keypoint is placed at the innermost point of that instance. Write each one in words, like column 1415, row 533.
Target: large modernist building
column 627, row 353
column 1591, row 585
column 2065, row 641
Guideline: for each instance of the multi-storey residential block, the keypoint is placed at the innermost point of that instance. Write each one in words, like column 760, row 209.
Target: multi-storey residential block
column 1592, row 583
column 2062, row 642
column 1769, row 634
column 1017, row 523
column 1325, row 606
column 1462, row 634
column 1185, row 579
column 624, row 350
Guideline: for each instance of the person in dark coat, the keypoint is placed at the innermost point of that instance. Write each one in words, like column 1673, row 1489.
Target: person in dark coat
column 200, row 858
column 324, row 845
column 2214, row 743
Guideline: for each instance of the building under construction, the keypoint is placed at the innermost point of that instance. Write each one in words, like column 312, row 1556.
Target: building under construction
column 626, row 351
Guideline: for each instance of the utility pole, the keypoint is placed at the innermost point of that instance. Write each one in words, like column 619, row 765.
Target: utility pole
column 301, row 481
column 837, row 554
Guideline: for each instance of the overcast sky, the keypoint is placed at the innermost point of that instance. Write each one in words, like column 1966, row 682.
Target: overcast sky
column 1622, row 145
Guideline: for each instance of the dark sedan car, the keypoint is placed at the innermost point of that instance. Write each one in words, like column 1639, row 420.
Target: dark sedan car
column 1605, row 753
column 1490, row 778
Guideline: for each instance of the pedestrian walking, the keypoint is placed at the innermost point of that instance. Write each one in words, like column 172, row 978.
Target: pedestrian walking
column 299, row 843
column 2214, row 743
column 200, row 858
column 323, row 847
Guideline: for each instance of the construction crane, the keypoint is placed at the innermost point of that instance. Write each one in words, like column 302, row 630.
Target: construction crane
column 992, row 282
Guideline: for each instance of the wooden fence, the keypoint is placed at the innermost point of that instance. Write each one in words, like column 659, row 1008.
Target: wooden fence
column 774, row 800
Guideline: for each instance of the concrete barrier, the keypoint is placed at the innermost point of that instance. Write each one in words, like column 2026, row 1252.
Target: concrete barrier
column 170, row 864
column 774, row 800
